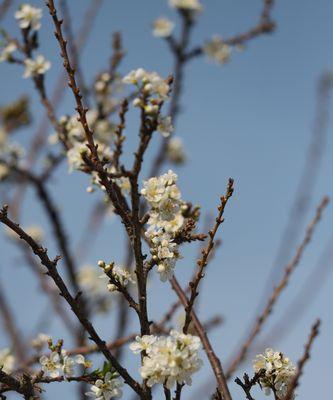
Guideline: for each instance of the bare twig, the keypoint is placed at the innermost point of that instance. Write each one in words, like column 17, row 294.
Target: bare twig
column 212, row 357
column 301, row 363
column 52, row 271
column 202, row 262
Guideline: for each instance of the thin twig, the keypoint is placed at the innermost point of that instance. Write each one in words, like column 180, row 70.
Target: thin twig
column 301, row 363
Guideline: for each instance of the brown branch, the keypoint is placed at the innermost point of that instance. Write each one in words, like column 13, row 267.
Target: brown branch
column 290, row 268
column 212, row 357
column 40, row 136
column 63, row 6
column 301, row 363
column 52, row 271
column 202, row 262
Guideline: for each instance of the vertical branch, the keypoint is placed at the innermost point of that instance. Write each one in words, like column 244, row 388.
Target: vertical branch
column 212, row 357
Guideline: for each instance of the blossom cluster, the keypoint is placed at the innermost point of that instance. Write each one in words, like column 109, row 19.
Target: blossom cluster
column 107, row 388
column 278, row 372
column 165, row 220
column 155, row 91
column 59, row 363
column 120, row 274
column 217, row 50
column 168, row 359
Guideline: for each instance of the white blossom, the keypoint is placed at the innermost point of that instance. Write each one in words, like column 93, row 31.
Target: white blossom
column 151, row 82
column 51, row 365
column 165, row 220
column 278, row 372
column 40, row 341
column 89, row 278
column 189, row 5
column 29, row 16
column 169, row 359
column 175, row 151
column 106, row 389
column 37, row 66
column 123, row 276
column 142, row 343
column 162, row 27
column 7, row 51
column 217, row 50
column 7, row 361
column 164, row 126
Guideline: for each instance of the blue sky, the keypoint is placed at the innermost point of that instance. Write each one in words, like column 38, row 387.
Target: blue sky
column 250, row 120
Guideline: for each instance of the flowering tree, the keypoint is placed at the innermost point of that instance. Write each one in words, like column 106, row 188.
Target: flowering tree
column 157, row 221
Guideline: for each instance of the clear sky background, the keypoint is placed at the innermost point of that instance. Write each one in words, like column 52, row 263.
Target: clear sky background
column 252, row 120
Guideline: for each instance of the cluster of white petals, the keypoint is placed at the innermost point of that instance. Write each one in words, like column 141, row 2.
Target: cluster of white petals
column 107, row 388
column 188, row 5
column 151, row 83
column 61, row 364
column 29, row 16
column 217, row 50
column 120, row 274
column 35, row 67
column 7, row 51
column 163, row 27
column 40, row 341
column 175, row 151
column 90, row 279
column 168, row 359
column 7, row 361
column 103, row 133
column 165, row 220
column 278, row 372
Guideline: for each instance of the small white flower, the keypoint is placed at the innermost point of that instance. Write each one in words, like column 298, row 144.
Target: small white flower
column 189, row 5
column 37, row 66
column 165, row 126
column 175, row 151
column 7, row 51
column 106, row 389
column 40, row 341
column 29, row 17
column 142, row 343
column 7, row 361
column 217, row 50
column 51, row 365
column 74, row 156
column 68, row 364
column 162, row 27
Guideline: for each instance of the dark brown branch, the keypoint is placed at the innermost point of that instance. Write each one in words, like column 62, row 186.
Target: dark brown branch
column 52, row 271
column 212, row 357
column 202, row 262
